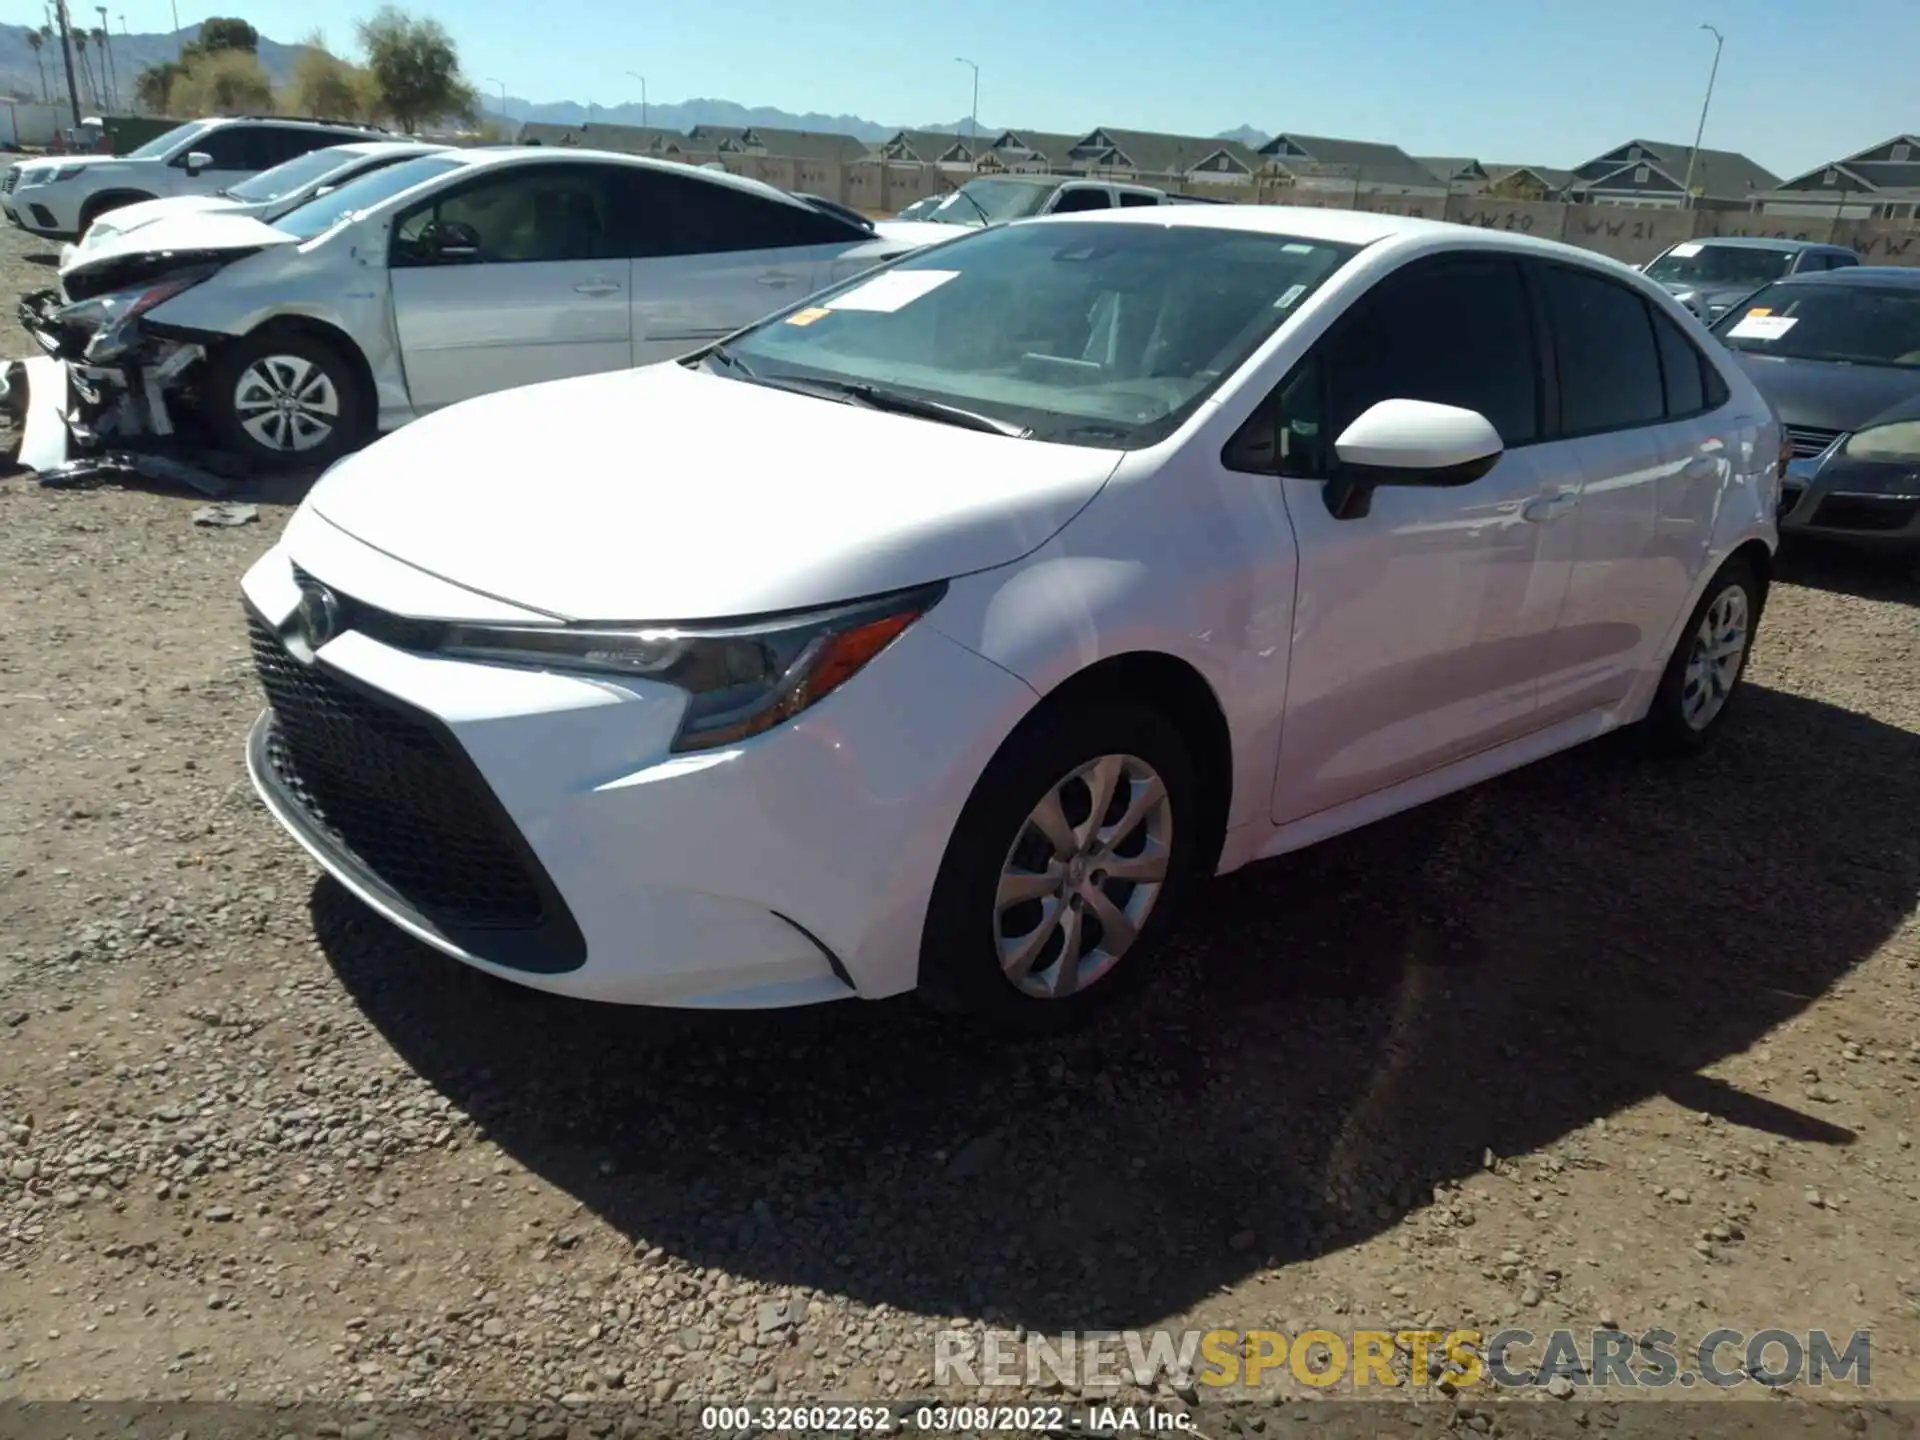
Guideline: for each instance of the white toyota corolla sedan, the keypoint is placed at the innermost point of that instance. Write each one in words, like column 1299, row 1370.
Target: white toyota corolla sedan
column 944, row 631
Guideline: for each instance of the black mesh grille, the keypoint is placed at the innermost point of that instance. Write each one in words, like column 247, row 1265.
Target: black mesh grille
column 384, row 788
column 12, row 179
column 1865, row 512
column 1808, row 441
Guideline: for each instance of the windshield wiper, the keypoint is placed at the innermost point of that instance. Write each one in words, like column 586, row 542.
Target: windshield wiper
column 901, row 403
column 985, row 219
column 722, row 355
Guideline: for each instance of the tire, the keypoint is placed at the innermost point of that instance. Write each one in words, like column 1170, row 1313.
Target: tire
column 1678, row 723
column 326, row 386
column 970, row 954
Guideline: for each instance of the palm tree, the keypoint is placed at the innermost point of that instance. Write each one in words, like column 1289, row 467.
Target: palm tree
column 86, row 70
column 35, row 39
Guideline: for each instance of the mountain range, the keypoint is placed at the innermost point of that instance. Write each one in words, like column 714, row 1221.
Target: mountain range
column 21, row 76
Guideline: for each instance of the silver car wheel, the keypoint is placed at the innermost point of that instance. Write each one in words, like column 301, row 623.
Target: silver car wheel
column 286, row 402
column 1082, row 876
column 1713, row 664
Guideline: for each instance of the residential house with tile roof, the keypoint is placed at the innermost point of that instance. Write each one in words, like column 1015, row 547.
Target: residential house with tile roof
column 627, row 139
column 1123, row 154
column 1461, row 173
column 1322, row 162
column 1652, row 174
column 824, row 146
column 1527, row 182
column 1879, row 183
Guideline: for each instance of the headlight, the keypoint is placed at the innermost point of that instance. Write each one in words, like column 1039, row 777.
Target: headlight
column 1894, row 444
column 740, row 680
column 64, row 172
column 114, row 314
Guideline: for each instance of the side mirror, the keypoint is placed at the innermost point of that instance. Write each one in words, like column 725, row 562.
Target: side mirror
column 324, row 190
column 197, row 161
column 1408, row 442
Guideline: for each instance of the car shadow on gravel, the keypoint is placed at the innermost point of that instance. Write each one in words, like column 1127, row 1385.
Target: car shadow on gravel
column 1845, row 570
column 1340, row 1033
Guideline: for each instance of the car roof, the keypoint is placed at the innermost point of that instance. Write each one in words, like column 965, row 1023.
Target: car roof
column 1860, row 277
column 480, row 157
column 387, row 147
column 1759, row 242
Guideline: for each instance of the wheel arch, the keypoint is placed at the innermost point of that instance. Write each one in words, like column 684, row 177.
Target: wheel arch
column 94, row 206
column 329, row 334
column 1181, row 693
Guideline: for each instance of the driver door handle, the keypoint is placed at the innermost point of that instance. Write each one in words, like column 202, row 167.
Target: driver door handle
column 778, row 278
column 1543, row 508
column 597, row 287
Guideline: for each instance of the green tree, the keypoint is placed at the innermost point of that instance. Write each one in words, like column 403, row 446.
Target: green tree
column 153, row 86
column 416, row 69
column 323, row 85
column 225, row 32
column 226, row 82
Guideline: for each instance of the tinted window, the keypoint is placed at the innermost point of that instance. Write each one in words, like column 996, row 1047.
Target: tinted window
column 1700, row 262
column 1681, row 367
column 161, row 144
column 1072, row 200
column 1841, row 262
column 363, row 192
column 232, row 147
column 1455, row 332
column 662, row 214
column 279, row 144
column 1846, row 322
column 515, row 216
column 1604, row 349
column 1094, row 334
column 1134, row 197
column 291, row 175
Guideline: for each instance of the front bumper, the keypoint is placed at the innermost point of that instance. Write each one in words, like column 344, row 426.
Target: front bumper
column 138, row 392
column 536, row 826
column 1817, row 502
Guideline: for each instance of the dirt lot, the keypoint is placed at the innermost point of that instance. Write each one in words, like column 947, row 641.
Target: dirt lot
column 1606, row 1043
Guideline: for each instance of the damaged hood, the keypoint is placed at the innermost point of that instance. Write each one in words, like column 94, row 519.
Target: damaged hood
column 667, row 493
column 189, row 237
column 137, row 217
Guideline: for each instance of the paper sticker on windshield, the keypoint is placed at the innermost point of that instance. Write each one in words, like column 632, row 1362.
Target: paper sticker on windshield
column 887, row 293
column 1296, row 249
column 1762, row 327
column 808, row 315
column 1684, row 252
column 1289, row 295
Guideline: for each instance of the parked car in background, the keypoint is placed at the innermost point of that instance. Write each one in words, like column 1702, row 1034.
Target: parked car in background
column 60, row 196
column 431, row 281
column 1708, row 276
column 920, row 209
column 265, row 196
column 1838, row 356
column 996, row 199
column 1064, row 566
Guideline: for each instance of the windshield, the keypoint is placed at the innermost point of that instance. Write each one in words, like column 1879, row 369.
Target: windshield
column 161, row 144
column 323, row 212
column 284, row 179
column 1697, row 264
column 1850, row 325
column 1091, row 334
column 991, row 202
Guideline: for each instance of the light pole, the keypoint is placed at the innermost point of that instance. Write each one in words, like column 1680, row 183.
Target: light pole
column 503, row 94
column 973, row 115
column 1694, row 154
column 179, row 45
column 643, row 96
column 106, row 54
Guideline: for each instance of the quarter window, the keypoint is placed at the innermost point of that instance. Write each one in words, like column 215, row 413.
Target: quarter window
column 1682, row 368
column 1605, row 352
column 662, row 214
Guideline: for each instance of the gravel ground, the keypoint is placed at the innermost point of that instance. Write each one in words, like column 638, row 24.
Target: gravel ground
column 1606, row 1042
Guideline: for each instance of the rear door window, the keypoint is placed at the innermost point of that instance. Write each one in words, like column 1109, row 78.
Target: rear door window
column 1605, row 352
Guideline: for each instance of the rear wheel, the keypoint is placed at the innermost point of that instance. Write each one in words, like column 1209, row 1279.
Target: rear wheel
column 286, row 399
column 1707, row 665
column 1065, row 871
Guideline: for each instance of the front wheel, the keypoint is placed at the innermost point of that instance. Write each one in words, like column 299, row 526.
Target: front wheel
column 287, row 400
column 1708, row 663
column 1065, row 870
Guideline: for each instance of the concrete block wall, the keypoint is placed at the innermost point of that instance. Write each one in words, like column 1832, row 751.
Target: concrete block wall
column 1623, row 232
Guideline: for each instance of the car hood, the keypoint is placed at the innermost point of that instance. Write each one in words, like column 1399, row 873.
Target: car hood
column 193, row 234
column 1822, row 395
column 667, row 493
column 147, row 212
column 60, row 162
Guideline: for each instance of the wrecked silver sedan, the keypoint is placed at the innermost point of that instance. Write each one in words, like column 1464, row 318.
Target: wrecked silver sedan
column 431, row 281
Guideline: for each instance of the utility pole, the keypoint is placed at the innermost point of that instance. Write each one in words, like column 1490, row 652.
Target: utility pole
column 66, row 50
column 179, row 45
column 1693, row 155
column 643, row 96
column 973, row 114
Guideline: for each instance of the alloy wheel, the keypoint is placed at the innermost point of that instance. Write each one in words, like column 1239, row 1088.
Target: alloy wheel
column 1082, row 876
column 286, row 402
column 1713, row 664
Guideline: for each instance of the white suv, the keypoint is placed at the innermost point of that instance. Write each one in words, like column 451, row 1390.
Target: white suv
column 60, row 196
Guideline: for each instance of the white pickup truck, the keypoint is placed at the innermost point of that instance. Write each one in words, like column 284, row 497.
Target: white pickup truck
column 996, row 199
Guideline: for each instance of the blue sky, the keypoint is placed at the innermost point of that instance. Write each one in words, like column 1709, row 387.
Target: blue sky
column 1552, row 81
